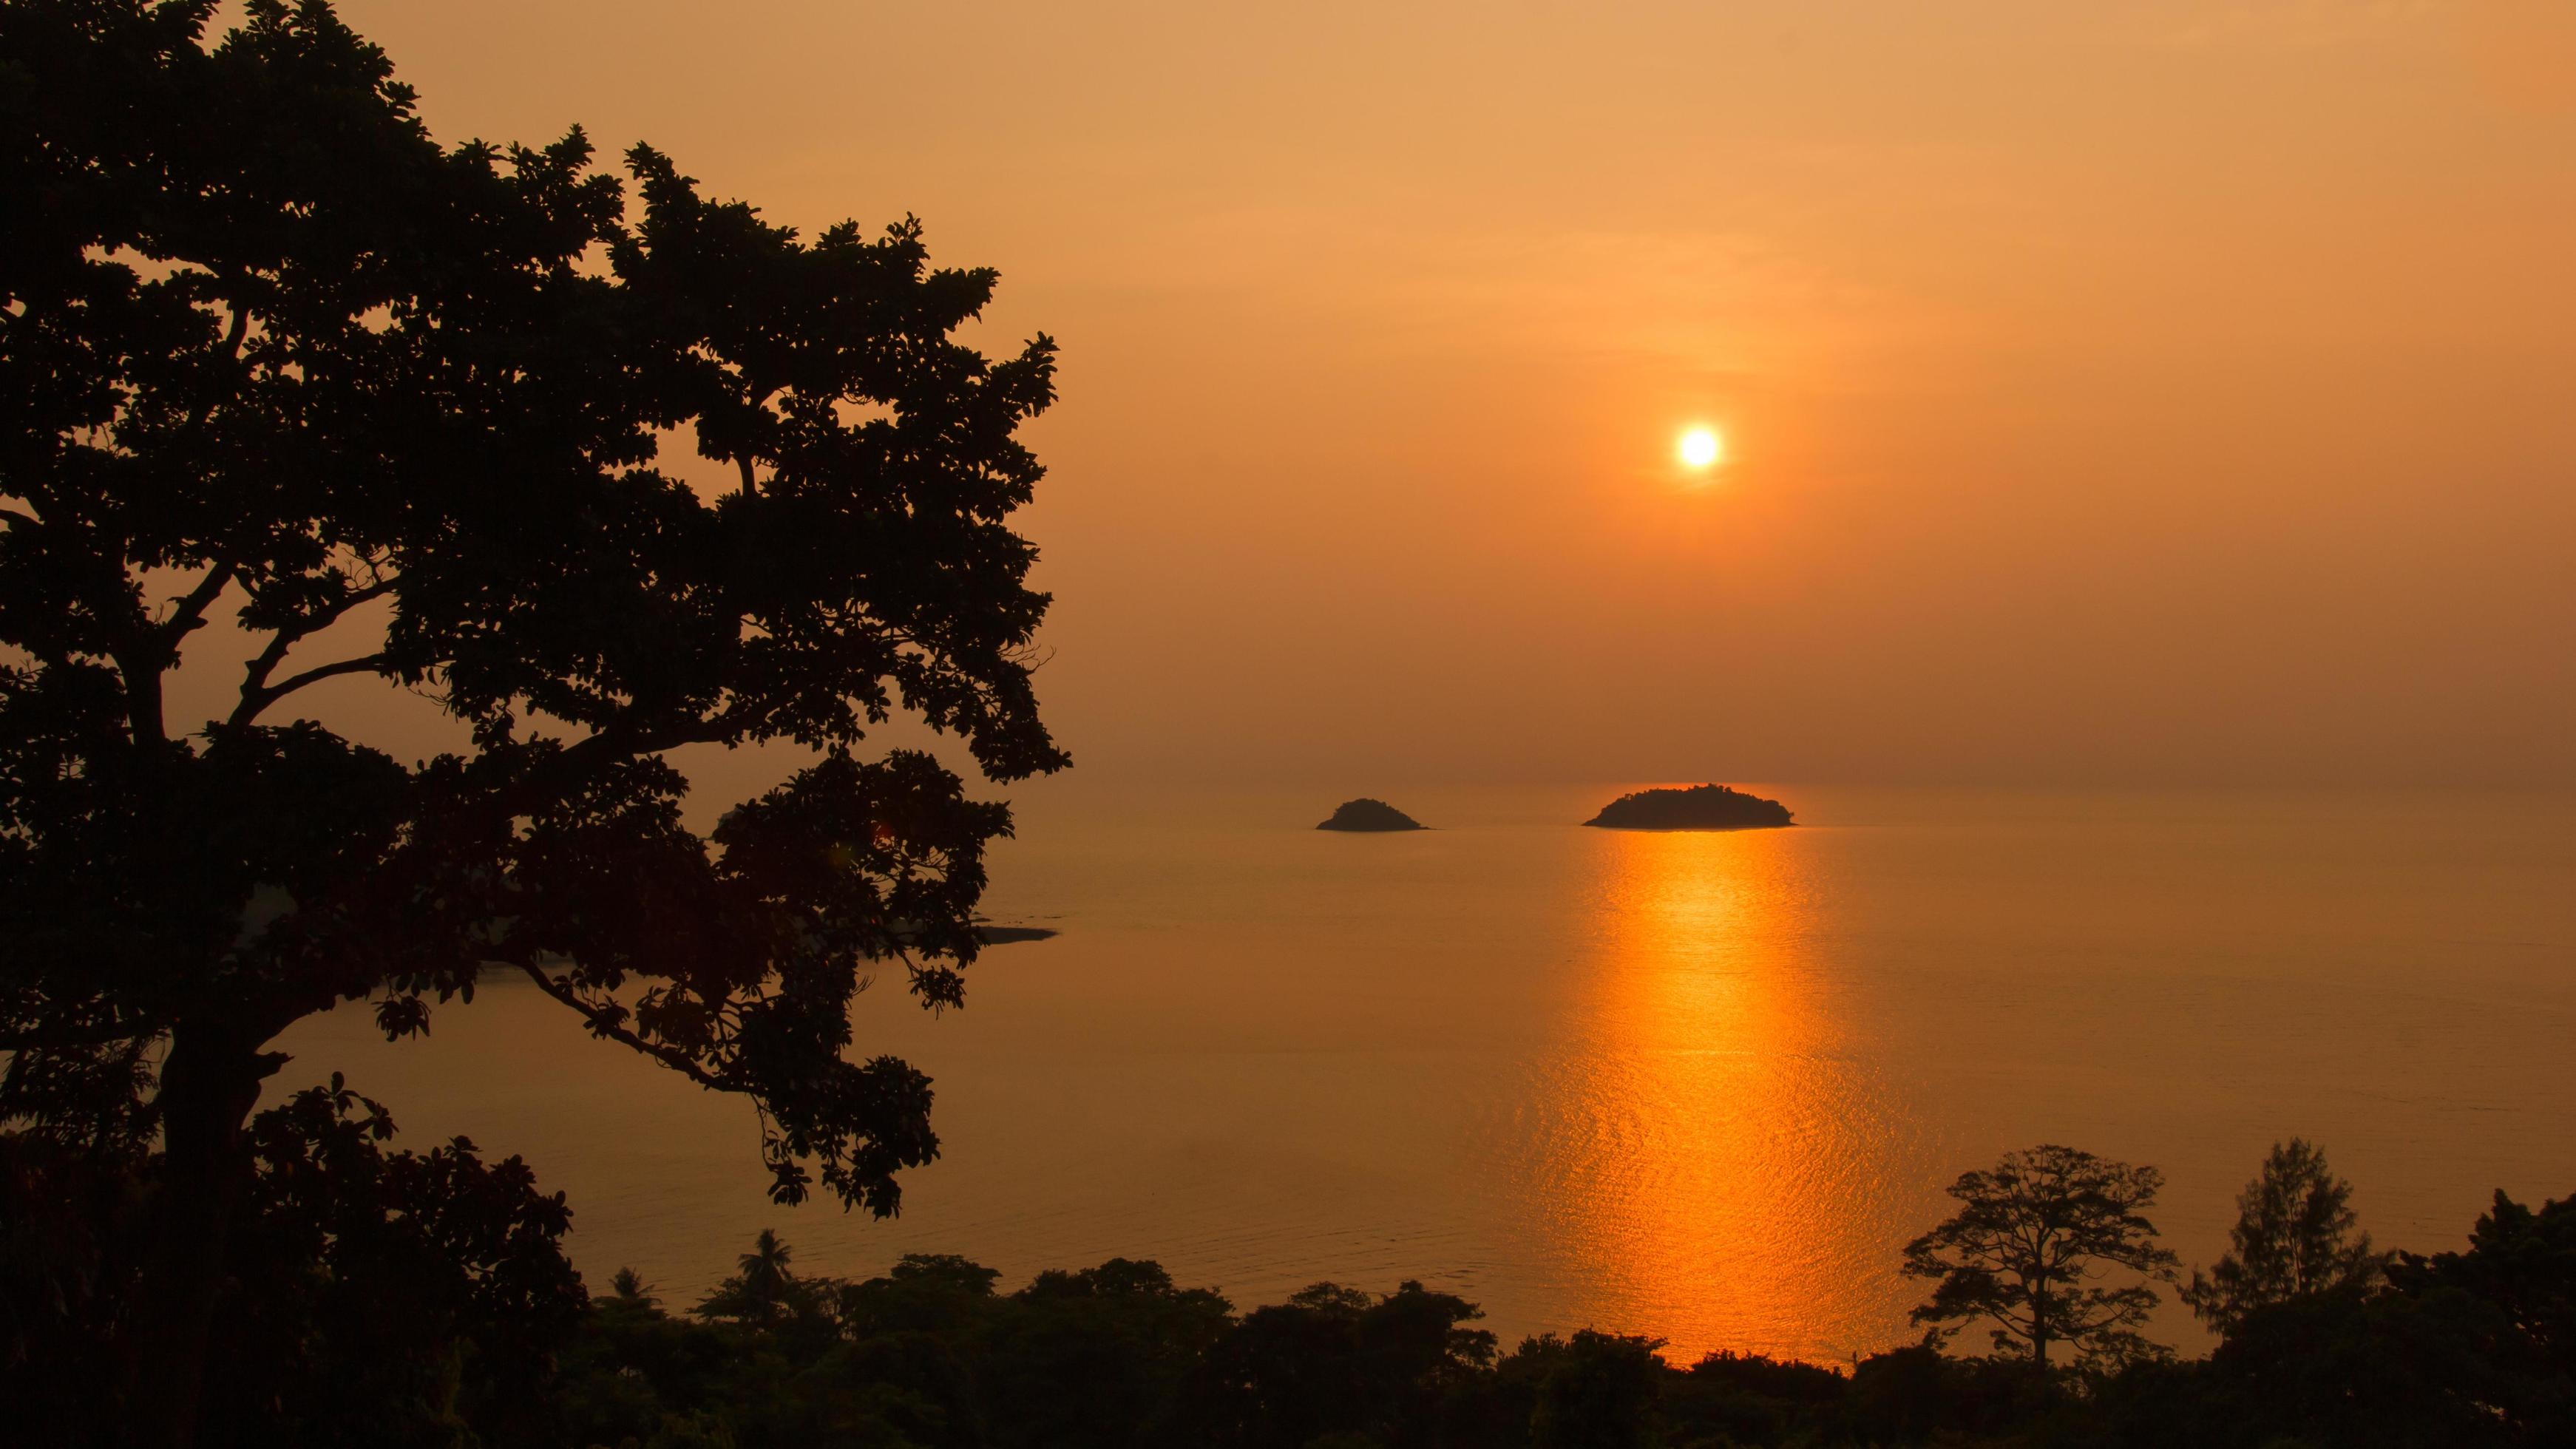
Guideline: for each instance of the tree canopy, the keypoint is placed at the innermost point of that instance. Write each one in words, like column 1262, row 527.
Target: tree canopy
column 939, row 1351
column 2029, row 1248
column 2296, row 1235
column 270, row 352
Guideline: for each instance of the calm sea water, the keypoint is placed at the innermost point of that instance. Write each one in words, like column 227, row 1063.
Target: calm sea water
column 1698, row 1085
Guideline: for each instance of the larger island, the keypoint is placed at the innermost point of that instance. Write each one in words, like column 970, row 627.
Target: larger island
column 1702, row 807
column 1366, row 814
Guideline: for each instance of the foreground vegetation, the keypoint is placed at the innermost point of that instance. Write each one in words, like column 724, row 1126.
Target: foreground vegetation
column 277, row 367
column 2468, row 1348
column 2455, row 1350
column 397, row 1298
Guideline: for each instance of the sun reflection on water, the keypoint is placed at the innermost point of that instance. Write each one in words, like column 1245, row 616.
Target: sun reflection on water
column 1712, row 1153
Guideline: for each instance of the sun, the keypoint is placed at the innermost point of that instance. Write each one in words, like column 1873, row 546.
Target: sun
column 1701, row 448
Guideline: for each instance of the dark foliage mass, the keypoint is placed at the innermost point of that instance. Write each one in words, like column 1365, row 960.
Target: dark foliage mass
column 1367, row 814
column 374, row 1296
column 2460, row 1348
column 401, row 1299
column 1701, row 807
column 404, row 413
column 367, row 1345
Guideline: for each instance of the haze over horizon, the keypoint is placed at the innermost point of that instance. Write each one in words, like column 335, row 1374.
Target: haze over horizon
column 2121, row 393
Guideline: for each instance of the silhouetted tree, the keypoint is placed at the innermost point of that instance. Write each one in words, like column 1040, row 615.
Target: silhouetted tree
column 379, row 1296
column 922, row 1293
column 1749, row 1398
column 66, row 1265
column 2032, row 1236
column 1334, row 1360
column 1093, row 1359
column 2524, row 1263
column 2467, row 1348
column 1911, row 1394
column 269, row 350
column 629, row 1288
column 1600, row 1393
column 762, row 1291
column 2294, row 1237
column 2340, row 1369
column 385, row 1297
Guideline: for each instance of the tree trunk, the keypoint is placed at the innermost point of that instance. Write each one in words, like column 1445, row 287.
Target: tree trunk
column 209, row 1082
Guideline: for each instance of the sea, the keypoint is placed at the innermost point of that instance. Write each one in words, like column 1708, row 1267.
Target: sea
column 1698, row 1085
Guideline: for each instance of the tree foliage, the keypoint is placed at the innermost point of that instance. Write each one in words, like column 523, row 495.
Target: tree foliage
column 932, row 1353
column 2470, row 1347
column 2030, row 1249
column 2521, row 1260
column 421, row 1300
column 1601, row 1393
column 321, row 364
column 1334, row 1361
column 762, row 1290
column 408, row 412
column 2296, row 1235
column 379, row 1296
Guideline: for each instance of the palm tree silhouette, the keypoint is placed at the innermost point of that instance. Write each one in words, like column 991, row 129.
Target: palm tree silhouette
column 763, row 1292
column 765, row 1278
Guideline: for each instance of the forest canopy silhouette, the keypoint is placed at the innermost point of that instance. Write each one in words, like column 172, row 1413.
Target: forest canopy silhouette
column 432, row 1305
column 272, row 351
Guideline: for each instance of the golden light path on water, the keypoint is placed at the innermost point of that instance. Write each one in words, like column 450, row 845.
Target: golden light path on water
column 1712, row 1159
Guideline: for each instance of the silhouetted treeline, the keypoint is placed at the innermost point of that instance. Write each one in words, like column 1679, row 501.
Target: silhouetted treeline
column 2470, row 1348
column 423, row 1299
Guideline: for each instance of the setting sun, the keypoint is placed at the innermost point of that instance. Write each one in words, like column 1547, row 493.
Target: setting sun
column 1701, row 448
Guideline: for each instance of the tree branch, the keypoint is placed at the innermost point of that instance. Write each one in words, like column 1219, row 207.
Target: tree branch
column 601, row 1025
column 239, row 329
column 260, row 698
column 629, row 736
column 234, row 333
column 258, row 694
column 96, row 1034
column 191, row 612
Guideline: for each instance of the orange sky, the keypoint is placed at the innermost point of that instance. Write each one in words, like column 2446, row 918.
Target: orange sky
column 2115, row 392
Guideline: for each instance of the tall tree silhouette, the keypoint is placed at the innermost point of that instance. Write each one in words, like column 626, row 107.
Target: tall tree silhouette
column 267, row 349
column 2028, row 1249
column 763, row 1290
column 2295, row 1236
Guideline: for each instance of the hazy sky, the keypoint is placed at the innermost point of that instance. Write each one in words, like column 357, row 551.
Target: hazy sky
column 2115, row 392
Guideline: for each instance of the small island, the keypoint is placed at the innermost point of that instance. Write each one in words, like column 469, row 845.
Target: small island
column 1702, row 807
column 1370, row 815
